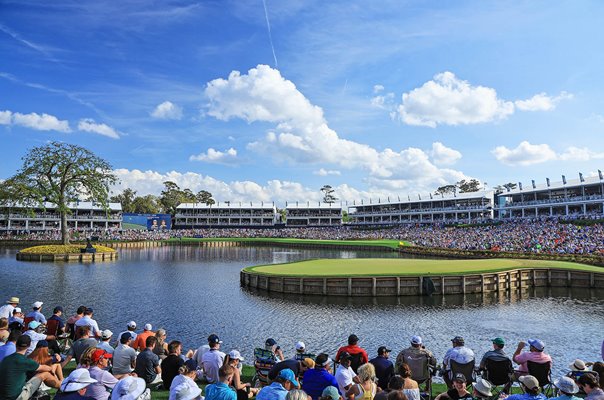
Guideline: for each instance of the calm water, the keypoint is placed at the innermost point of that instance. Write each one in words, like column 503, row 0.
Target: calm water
column 193, row 291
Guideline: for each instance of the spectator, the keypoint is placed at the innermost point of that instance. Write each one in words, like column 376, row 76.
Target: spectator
column 417, row 349
column 56, row 325
column 3, row 330
column 535, row 354
column 42, row 357
column 34, row 332
column 366, row 388
column 124, row 357
column 396, row 383
column 6, row 311
column 71, row 329
column 359, row 355
column 221, row 390
column 172, row 363
column 87, row 320
column 36, row 313
column 141, row 339
column 482, row 389
column 410, row 387
column 106, row 336
column 530, row 384
column 11, row 344
column 318, row 378
column 384, row 369
column 329, row 393
column 345, row 376
column 130, row 327
column 131, row 388
column 213, row 359
column 244, row 390
column 458, row 353
column 300, row 351
column 567, row 387
column 497, row 354
column 272, row 346
column 105, row 382
column 590, row 385
column 80, row 346
column 277, row 390
column 17, row 316
column 161, row 349
column 458, row 391
column 147, row 363
column 75, row 385
column 299, row 367
column 185, row 377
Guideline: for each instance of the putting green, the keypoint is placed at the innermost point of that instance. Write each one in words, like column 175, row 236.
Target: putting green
column 407, row 266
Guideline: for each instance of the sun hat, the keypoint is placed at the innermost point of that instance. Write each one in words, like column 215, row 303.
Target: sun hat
column 460, row 377
column 235, row 355
column 132, row 324
column 37, row 304
column 416, row 340
column 78, row 379
column 536, row 343
column 566, row 385
column 128, row 388
column 98, row 354
column 529, row 381
column 185, row 392
column 483, row 387
column 13, row 300
column 308, row 362
column 213, row 338
column 106, row 334
column 498, row 341
column 577, row 366
column 300, row 346
column 148, row 327
column 33, row 324
column 331, row 392
column 383, row 349
column 289, row 375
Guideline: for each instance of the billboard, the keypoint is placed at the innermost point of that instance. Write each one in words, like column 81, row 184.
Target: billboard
column 146, row 221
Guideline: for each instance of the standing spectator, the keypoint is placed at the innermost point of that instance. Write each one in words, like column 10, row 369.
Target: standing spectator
column 6, row 310
column 318, row 378
column 172, row 363
column 124, row 357
column 458, row 353
column 359, row 355
column 147, row 363
column 535, row 354
column 345, row 376
column 36, row 313
column 221, row 390
column 213, row 359
column 141, row 339
column 384, row 369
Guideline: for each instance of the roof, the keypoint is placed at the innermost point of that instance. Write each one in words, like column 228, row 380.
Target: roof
column 225, row 206
column 528, row 188
column 313, row 206
column 81, row 205
column 426, row 198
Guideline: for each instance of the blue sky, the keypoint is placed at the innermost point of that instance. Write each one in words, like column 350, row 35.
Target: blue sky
column 262, row 101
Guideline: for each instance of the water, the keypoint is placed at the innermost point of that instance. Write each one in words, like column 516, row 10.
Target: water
column 194, row 291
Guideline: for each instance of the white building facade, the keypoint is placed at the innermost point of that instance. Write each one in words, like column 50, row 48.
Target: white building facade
column 197, row 215
column 307, row 214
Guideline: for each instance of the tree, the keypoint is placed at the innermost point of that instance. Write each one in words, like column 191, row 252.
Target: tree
column 468, row 186
column 204, row 197
column 328, row 194
column 505, row 187
column 60, row 173
column 126, row 199
column 148, row 204
column 446, row 189
column 172, row 196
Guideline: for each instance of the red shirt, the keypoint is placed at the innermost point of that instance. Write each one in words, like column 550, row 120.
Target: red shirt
column 141, row 338
column 353, row 349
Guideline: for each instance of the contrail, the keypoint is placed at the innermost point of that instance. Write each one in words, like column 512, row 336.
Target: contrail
column 270, row 36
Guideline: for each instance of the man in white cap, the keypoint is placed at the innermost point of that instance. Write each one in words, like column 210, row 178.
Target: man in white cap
column 17, row 316
column 416, row 350
column 130, row 327
column 535, row 354
column 300, row 351
column 6, row 311
column 36, row 313
column 106, row 336
column 141, row 339
column 131, row 388
column 74, row 386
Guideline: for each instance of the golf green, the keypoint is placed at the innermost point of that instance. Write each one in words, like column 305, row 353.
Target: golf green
column 403, row 267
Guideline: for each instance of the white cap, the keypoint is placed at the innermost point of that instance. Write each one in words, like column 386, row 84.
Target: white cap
column 37, row 304
column 235, row 355
column 131, row 324
column 185, row 392
column 128, row 388
column 78, row 379
column 416, row 340
column 300, row 346
column 17, row 309
column 148, row 327
column 106, row 334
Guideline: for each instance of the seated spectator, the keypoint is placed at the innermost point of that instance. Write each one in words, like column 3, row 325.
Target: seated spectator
column 396, row 395
column 14, row 369
column 131, row 388
column 410, row 386
column 7, row 310
column 458, row 391
column 244, row 390
column 35, row 333
column 497, row 354
column 530, row 386
column 130, row 327
column 11, row 344
column 277, row 390
column 71, row 329
column 417, row 349
column 105, row 382
column 366, row 388
column 75, row 385
column 16, row 317
column 482, row 389
column 3, row 330
column 42, row 357
column 384, row 369
column 172, row 363
column 359, row 355
column 300, row 351
column 186, row 376
column 147, row 363
column 458, row 353
column 221, row 389
column 535, row 354
column 106, row 336
column 345, row 376
column 141, row 339
column 598, row 368
column 161, row 348
column 396, row 383
column 590, row 385
column 87, row 320
column 80, row 345
column 272, row 346
column 299, row 394
column 36, row 313
column 318, row 378
column 56, row 325
column 124, row 357
column 213, row 359
column 329, row 393
column 299, row 367
column 567, row 387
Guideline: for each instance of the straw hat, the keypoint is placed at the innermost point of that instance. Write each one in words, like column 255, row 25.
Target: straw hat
column 13, row 300
column 483, row 387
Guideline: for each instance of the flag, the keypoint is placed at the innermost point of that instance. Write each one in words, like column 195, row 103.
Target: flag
column 547, row 180
column 581, row 177
column 564, row 179
column 534, row 186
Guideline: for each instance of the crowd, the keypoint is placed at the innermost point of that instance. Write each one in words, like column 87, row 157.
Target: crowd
column 35, row 350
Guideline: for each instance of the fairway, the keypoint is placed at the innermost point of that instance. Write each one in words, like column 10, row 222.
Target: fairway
column 402, row 267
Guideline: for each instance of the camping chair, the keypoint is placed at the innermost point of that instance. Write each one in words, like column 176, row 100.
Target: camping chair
column 264, row 361
column 302, row 356
column 542, row 371
column 421, row 373
column 52, row 327
column 467, row 369
column 500, row 374
column 355, row 362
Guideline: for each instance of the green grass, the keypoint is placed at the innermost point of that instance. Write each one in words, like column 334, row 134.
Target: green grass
column 406, row 266
column 392, row 244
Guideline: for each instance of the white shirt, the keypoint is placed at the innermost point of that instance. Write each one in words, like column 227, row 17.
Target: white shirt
column 212, row 361
column 198, row 356
column 87, row 321
column 6, row 311
column 460, row 354
column 35, row 338
column 344, row 377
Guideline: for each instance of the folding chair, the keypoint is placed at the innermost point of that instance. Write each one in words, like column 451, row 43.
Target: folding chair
column 421, row 372
column 264, row 361
column 499, row 374
column 355, row 362
column 466, row 369
column 542, row 371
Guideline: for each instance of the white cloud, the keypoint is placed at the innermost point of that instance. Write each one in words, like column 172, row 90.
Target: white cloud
column 442, row 155
column 44, row 122
column 302, row 135
column 5, row 117
column 527, row 154
column 580, row 154
column 377, row 88
column 88, row 125
column 383, row 101
column 326, row 172
column 542, row 102
column 452, row 101
column 216, row 157
column 167, row 110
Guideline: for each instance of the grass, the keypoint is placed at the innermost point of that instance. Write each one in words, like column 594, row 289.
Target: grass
column 64, row 249
column 402, row 267
column 392, row 244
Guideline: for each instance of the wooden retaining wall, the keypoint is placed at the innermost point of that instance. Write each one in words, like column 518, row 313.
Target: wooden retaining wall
column 81, row 257
column 513, row 280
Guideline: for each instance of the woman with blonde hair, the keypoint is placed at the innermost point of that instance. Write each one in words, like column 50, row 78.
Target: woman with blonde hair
column 86, row 358
column 161, row 348
column 3, row 330
column 367, row 388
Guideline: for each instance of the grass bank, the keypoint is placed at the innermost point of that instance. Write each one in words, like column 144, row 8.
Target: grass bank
column 403, row 267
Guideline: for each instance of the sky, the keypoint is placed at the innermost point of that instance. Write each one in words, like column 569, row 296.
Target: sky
column 267, row 100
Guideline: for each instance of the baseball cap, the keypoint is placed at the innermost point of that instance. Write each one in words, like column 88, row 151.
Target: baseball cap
column 129, row 388
column 345, row 356
column 37, row 304
column 536, row 343
column 566, row 385
column 416, row 340
column 42, row 343
column 331, row 392
column 78, row 379
column 270, row 342
column 235, row 355
column 23, row 341
column 300, row 346
column 322, row 360
column 33, row 324
column 126, row 335
column 383, row 349
column 529, row 381
column 106, row 334
column 17, row 310
column 213, row 338
column 148, row 327
column 459, row 377
column 57, row 309
column 458, row 340
column 289, row 375
column 89, row 311
column 98, row 354
column 191, row 364
column 131, row 324
column 498, row 341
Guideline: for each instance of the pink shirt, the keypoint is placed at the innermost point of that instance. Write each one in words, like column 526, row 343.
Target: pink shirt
column 535, row 356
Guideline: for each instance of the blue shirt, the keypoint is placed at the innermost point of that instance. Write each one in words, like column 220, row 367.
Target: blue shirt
column 220, row 391
column 275, row 391
column 37, row 316
column 6, row 350
column 526, row 396
column 315, row 380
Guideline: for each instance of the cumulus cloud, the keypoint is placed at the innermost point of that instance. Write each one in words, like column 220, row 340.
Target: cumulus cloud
column 542, row 102
column 44, row 122
column 6, row 117
column 443, row 155
column 452, row 101
column 89, row 125
column 377, row 88
column 325, row 172
column 167, row 110
column 302, row 135
column 527, row 154
column 216, row 157
column 385, row 101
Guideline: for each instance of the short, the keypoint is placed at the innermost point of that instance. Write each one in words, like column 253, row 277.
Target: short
column 30, row 388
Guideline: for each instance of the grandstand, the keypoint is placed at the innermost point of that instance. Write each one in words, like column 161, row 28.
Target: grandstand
column 573, row 198
column 301, row 215
column 197, row 215
column 455, row 208
column 84, row 215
